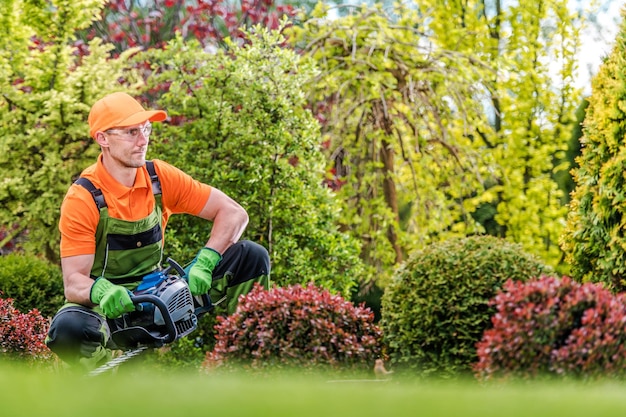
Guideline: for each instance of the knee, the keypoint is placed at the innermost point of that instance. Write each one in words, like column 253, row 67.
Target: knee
column 254, row 256
column 72, row 331
column 256, row 251
column 67, row 327
column 259, row 256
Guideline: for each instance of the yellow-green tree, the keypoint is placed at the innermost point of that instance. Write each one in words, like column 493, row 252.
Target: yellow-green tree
column 238, row 121
column 248, row 132
column 444, row 118
column 47, row 84
column 534, row 108
column 595, row 238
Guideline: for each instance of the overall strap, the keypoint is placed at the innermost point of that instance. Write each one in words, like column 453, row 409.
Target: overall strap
column 96, row 193
column 154, row 178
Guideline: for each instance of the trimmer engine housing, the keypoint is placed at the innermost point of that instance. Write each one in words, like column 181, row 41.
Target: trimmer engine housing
column 165, row 312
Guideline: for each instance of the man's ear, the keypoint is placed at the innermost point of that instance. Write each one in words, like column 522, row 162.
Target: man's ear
column 101, row 139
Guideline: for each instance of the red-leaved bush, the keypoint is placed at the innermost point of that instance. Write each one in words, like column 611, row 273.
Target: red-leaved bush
column 22, row 335
column 554, row 326
column 307, row 327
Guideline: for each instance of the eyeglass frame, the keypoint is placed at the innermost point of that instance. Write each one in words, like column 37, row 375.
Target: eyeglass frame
column 145, row 129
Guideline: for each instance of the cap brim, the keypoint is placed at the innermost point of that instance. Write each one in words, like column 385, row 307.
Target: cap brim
column 138, row 118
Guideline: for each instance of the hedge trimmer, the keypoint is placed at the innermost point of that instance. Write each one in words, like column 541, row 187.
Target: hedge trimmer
column 166, row 311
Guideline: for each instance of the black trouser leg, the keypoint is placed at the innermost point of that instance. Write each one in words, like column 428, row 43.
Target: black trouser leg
column 242, row 265
column 78, row 335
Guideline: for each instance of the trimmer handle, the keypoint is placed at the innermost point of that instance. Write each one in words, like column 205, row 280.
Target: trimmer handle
column 170, row 327
column 175, row 266
column 207, row 306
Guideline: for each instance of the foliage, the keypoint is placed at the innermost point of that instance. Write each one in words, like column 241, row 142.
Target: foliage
column 552, row 326
column 307, row 327
column 47, row 84
column 594, row 240
column 422, row 179
column 22, row 335
column 533, row 133
column 390, row 151
column 440, row 120
column 151, row 24
column 564, row 178
column 239, row 123
column 186, row 353
column 437, row 306
column 9, row 238
column 183, row 354
column 32, row 283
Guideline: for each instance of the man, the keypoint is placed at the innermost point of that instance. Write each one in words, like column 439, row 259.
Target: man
column 112, row 224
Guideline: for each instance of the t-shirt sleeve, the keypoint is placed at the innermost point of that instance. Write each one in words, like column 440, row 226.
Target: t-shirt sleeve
column 181, row 192
column 78, row 223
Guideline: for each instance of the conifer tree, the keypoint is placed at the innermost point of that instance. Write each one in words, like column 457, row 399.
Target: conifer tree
column 595, row 237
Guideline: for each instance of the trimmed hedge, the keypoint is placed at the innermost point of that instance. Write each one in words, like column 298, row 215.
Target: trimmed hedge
column 557, row 327
column 295, row 326
column 437, row 307
column 22, row 335
column 32, row 283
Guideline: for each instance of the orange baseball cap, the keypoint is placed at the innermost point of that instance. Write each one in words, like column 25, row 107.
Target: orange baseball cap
column 119, row 110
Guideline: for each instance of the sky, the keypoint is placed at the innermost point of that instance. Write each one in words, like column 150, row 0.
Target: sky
column 597, row 41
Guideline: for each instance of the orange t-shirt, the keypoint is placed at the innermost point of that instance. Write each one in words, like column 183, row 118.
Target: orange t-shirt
column 80, row 216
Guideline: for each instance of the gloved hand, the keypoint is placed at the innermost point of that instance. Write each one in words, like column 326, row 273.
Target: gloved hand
column 200, row 270
column 114, row 299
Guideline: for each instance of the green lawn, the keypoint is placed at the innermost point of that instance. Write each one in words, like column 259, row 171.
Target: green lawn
column 25, row 392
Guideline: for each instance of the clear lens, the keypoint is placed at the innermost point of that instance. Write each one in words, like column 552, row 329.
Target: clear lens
column 134, row 132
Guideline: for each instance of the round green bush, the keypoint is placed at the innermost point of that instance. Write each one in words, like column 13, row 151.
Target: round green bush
column 32, row 283
column 437, row 306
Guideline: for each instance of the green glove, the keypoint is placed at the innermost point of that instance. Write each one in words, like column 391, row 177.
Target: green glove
column 200, row 271
column 114, row 299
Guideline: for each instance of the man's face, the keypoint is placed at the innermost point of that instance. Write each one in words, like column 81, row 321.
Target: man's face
column 128, row 145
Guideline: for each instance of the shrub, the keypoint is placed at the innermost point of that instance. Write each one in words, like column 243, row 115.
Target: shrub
column 552, row 326
column 22, row 335
column 437, row 306
column 298, row 326
column 32, row 283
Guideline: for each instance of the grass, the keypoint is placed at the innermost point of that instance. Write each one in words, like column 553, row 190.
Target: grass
column 27, row 392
